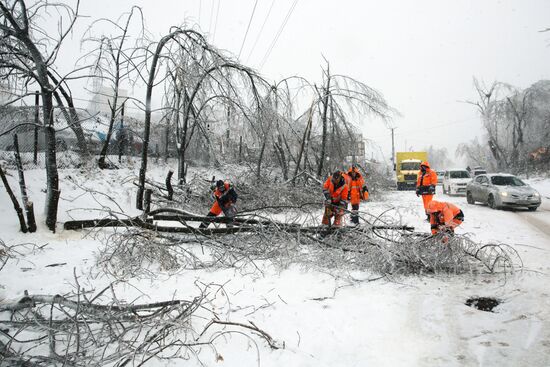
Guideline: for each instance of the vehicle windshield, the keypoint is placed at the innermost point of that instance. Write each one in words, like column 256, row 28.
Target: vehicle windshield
column 410, row 166
column 506, row 181
column 479, row 172
column 459, row 174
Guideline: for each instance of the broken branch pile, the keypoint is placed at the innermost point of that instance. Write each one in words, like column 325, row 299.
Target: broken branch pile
column 171, row 239
column 56, row 330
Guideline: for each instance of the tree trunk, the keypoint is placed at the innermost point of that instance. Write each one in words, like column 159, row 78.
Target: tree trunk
column 302, row 146
column 36, row 123
column 326, row 91
column 147, row 122
column 72, row 118
column 261, row 157
column 284, row 162
column 240, row 149
column 52, row 191
column 182, row 148
column 166, row 140
column 169, row 185
column 16, row 205
column 105, row 148
column 29, row 208
column 280, row 153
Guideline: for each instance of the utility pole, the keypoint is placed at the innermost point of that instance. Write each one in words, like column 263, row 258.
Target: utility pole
column 392, row 148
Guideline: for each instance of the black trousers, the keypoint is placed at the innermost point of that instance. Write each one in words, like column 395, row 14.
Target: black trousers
column 354, row 213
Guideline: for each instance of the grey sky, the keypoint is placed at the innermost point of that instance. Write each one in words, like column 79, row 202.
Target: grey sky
column 420, row 54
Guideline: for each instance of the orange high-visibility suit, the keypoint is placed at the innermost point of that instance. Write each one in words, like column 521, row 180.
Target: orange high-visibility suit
column 426, row 182
column 357, row 191
column 225, row 198
column 335, row 190
column 444, row 217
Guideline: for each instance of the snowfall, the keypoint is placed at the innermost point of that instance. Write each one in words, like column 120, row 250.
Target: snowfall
column 318, row 317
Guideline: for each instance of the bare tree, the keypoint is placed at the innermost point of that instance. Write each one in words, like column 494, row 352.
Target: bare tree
column 477, row 154
column 115, row 64
column 27, row 56
column 339, row 98
column 210, row 82
column 439, row 157
column 201, row 76
column 508, row 115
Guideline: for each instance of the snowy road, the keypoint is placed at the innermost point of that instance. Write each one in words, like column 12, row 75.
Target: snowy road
column 323, row 319
column 518, row 332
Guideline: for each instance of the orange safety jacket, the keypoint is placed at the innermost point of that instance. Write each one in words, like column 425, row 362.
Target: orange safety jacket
column 356, row 192
column 337, row 193
column 426, row 179
column 444, row 214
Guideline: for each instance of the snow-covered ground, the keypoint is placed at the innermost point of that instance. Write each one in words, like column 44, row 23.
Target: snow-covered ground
column 322, row 318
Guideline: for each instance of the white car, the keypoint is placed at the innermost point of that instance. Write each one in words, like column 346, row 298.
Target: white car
column 440, row 175
column 455, row 181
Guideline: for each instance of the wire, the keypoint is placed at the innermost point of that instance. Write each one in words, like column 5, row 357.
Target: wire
column 261, row 30
column 247, row 28
column 266, row 56
column 216, row 22
column 200, row 11
column 211, row 16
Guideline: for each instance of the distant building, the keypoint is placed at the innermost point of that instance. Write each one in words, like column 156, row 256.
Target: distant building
column 103, row 96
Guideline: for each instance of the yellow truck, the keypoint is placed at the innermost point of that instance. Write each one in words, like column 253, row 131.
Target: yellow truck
column 407, row 165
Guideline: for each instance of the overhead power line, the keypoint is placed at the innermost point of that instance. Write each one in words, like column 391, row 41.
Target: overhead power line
column 266, row 56
column 216, row 21
column 211, row 16
column 247, row 28
column 261, row 30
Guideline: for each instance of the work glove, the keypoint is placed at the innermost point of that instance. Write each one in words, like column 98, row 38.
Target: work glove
column 417, row 192
column 446, row 229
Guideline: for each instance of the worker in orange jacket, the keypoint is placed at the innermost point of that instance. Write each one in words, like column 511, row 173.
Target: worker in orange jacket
column 225, row 198
column 426, row 182
column 444, row 217
column 335, row 190
column 358, row 191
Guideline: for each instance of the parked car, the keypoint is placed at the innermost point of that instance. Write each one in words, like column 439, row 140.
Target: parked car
column 502, row 190
column 440, row 175
column 478, row 171
column 455, row 181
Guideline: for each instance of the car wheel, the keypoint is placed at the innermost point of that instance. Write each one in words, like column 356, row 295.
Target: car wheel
column 491, row 202
column 532, row 208
column 469, row 198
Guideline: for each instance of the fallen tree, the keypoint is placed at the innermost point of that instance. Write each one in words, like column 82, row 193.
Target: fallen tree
column 79, row 330
column 169, row 239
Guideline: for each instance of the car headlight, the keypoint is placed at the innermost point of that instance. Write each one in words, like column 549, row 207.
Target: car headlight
column 536, row 194
column 503, row 193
